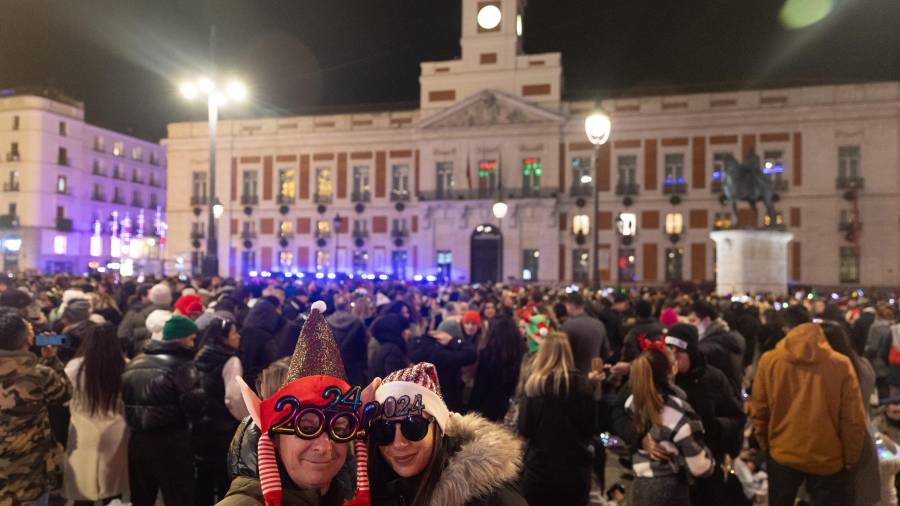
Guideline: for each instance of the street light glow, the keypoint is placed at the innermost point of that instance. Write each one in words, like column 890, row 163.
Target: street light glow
column 237, row 91
column 598, row 126
column 206, row 85
column 188, row 90
column 218, row 209
column 500, row 209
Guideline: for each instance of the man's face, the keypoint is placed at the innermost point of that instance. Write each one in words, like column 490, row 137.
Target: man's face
column 490, row 310
column 311, row 463
column 893, row 411
column 700, row 323
column 682, row 359
column 470, row 328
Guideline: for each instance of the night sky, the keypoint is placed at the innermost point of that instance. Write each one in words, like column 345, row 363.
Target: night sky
column 124, row 58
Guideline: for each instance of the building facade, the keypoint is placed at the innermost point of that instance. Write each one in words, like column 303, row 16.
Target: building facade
column 76, row 197
column 409, row 192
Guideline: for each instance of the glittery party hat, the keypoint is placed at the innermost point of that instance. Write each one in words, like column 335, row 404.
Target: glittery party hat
column 316, row 352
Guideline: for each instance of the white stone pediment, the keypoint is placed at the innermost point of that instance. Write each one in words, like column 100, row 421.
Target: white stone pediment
column 490, row 108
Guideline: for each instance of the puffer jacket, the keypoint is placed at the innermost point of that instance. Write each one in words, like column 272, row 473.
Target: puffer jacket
column 482, row 467
column 160, row 388
column 213, row 430
column 879, row 333
column 724, row 350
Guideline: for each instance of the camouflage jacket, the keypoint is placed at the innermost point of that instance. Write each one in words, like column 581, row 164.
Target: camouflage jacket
column 30, row 458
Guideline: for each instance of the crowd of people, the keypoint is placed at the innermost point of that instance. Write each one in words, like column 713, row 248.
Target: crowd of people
column 212, row 391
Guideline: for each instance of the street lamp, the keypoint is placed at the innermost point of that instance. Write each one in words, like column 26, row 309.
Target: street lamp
column 597, row 126
column 338, row 221
column 500, row 208
column 216, row 96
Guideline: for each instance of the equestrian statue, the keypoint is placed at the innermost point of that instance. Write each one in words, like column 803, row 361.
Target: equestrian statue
column 746, row 181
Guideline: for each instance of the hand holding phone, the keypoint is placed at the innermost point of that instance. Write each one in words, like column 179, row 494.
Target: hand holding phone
column 50, row 340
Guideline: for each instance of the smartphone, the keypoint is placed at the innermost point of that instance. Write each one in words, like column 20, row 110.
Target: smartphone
column 53, row 340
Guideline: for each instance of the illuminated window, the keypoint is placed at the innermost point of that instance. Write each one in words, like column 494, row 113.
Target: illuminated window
column 674, row 223
column 400, row 182
column 444, row 184
column 323, row 228
column 444, row 263
column 323, row 260
column 849, row 266
column 286, row 228
column 62, row 184
column 118, row 148
column 848, row 162
column 360, row 261
column 487, row 178
column 722, row 221
column 286, row 258
column 96, row 246
column 627, row 224
column 581, row 224
column 136, row 154
column 324, row 186
column 59, row 245
column 286, row 185
column 531, row 176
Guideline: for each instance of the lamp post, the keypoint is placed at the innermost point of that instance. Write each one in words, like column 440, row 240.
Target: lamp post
column 338, row 221
column 597, row 126
column 215, row 98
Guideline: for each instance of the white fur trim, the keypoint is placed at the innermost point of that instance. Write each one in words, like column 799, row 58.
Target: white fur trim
column 433, row 404
column 319, row 306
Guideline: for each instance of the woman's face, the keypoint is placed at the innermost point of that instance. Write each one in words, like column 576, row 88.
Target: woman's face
column 404, row 312
column 408, row 458
column 311, row 463
column 470, row 328
column 490, row 310
column 233, row 340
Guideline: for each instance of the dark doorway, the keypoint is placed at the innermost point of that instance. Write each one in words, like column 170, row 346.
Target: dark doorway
column 487, row 254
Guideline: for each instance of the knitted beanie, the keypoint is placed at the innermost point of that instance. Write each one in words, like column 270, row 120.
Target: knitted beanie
column 178, row 327
column 160, row 294
column 418, row 380
column 471, row 317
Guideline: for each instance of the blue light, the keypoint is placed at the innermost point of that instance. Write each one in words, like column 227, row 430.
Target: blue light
column 331, row 275
column 681, row 180
column 417, row 277
column 301, row 275
column 266, row 274
column 253, row 274
column 320, row 275
column 835, row 296
column 717, row 175
column 288, row 275
column 430, row 278
column 669, row 180
column 383, row 277
column 350, row 276
column 773, row 169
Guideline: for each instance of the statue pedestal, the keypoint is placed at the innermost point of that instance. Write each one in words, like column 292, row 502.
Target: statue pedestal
column 751, row 261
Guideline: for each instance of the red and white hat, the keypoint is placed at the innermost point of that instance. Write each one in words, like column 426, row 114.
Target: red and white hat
column 420, row 379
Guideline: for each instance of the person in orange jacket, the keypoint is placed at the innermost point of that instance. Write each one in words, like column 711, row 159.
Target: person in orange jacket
column 809, row 416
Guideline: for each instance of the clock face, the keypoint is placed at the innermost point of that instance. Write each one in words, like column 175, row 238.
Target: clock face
column 489, row 17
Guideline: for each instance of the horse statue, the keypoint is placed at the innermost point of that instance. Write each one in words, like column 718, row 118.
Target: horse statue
column 745, row 181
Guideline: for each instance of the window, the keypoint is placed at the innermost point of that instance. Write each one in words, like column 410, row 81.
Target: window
column 118, row 148
column 398, row 263
column 13, row 184
column 287, row 185
column 13, row 152
column 400, row 182
column 848, row 162
column 581, row 224
column 360, row 228
column 249, row 230
column 849, row 268
column 444, row 183
column 444, row 263
column 250, row 185
column 360, row 184
column 487, row 178
column 154, row 158
column 117, row 196
column 136, row 199
column 285, row 259
column 198, row 187
column 136, row 176
column 15, row 123
column 62, row 184
column 62, row 156
column 674, row 182
column 117, row 172
column 627, row 171
column 398, row 227
column 674, row 262
column 530, row 261
column 153, row 179
column 360, row 261
column 581, row 265
column 627, row 224
column 324, row 187
column 581, row 176
column 718, row 170
column 99, row 143
column 98, row 191
column 722, row 221
column 136, row 154
column 59, row 245
column 773, row 168
column 674, row 223
column 248, row 262
column 154, row 203
column 286, row 228
column 63, row 128
column 323, row 260
column 323, row 228
column 531, row 176
column 627, row 265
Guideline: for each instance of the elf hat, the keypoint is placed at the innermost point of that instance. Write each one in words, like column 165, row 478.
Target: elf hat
column 317, row 380
column 418, row 380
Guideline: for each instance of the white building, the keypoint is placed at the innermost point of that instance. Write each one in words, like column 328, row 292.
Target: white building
column 415, row 187
column 67, row 185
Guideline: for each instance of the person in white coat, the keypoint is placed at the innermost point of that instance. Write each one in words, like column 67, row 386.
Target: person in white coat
column 96, row 465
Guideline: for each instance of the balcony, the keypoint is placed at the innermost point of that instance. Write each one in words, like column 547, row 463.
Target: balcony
column 850, row 183
column 248, row 234
column 249, row 200
column 399, row 195
column 118, row 199
column 12, row 157
column 674, row 189
column 98, row 197
column 488, row 194
column 118, row 175
column 152, row 205
column 581, row 190
column 154, row 183
column 137, row 202
column 363, row 196
column 322, row 198
column 399, row 233
column 198, row 233
column 100, row 148
column 285, row 200
column 199, row 200
column 716, row 186
column 847, row 226
column 64, row 191
column 138, row 180
column 9, row 221
column 11, row 187
column 360, row 233
column 627, row 189
column 97, row 171
column 63, row 160
column 64, row 224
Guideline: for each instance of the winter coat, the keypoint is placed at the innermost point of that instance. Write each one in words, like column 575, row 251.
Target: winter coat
column 96, row 465
column 806, row 408
column 160, row 388
column 133, row 327
column 724, row 350
column 29, row 457
column 449, row 361
column 879, row 333
column 709, row 394
column 213, row 431
column 587, row 336
column 495, row 384
column 390, row 354
column 243, row 473
column 482, row 466
column 258, row 347
column 557, row 430
column 350, row 334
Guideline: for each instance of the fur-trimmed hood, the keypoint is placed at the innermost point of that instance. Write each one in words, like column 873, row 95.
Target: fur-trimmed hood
column 489, row 458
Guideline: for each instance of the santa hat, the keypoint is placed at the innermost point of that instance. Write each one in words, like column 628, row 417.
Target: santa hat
column 189, row 304
column 418, row 380
column 315, row 368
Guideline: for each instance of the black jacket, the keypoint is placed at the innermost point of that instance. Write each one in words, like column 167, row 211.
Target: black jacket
column 449, row 361
column 350, row 334
column 709, row 393
column 495, row 384
column 391, row 354
column 724, row 350
column 557, row 431
column 159, row 388
column 213, row 431
column 258, row 348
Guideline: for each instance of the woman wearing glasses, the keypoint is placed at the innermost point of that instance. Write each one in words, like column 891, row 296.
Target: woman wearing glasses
column 422, row 454
column 217, row 365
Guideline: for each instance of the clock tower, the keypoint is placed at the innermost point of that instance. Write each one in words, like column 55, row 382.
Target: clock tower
column 492, row 58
